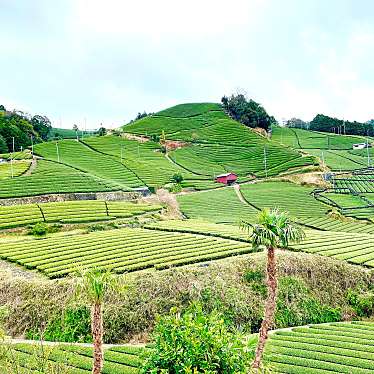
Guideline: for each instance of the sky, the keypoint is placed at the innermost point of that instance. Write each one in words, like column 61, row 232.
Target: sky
column 88, row 62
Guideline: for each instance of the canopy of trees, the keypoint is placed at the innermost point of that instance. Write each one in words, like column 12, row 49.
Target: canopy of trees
column 335, row 125
column 297, row 123
column 246, row 111
column 21, row 127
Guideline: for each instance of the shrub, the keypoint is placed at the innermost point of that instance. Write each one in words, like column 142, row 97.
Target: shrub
column 72, row 326
column 39, row 229
column 362, row 303
column 177, row 178
column 196, row 342
column 296, row 306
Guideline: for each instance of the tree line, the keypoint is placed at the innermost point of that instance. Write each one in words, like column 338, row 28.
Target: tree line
column 325, row 123
column 18, row 129
column 247, row 111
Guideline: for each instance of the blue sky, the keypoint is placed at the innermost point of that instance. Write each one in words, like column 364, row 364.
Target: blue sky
column 104, row 61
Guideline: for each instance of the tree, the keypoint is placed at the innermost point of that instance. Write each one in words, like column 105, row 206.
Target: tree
column 42, row 125
column 93, row 286
column 297, row 123
column 273, row 230
column 3, row 145
column 2, row 108
column 247, row 111
column 101, row 131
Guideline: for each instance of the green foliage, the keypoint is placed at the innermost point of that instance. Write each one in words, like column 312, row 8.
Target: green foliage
column 274, row 229
column 328, row 124
column 94, row 283
column 296, row 306
column 246, row 111
column 39, row 229
column 3, row 145
column 126, row 249
column 196, row 342
column 362, row 303
column 177, row 178
column 256, row 279
column 74, row 325
column 102, row 131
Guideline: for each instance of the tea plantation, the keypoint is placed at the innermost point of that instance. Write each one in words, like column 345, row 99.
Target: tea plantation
column 326, row 348
column 143, row 202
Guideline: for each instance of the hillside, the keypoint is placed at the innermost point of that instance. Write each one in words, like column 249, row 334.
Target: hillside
column 74, row 205
column 216, row 143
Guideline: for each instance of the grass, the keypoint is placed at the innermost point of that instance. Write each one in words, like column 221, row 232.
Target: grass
column 121, row 250
column 19, row 168
column 343, row 347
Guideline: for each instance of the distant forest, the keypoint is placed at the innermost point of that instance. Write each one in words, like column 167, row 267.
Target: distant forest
column 18, row 129
column 325, row 123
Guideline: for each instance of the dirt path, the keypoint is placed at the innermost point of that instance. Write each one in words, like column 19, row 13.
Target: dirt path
column 239, row 194
column 32, row 167
column 14, row 271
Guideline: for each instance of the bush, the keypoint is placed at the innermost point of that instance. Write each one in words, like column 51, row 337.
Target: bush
column 72, row 326
column 39, row 229
column 177, row 178
column 196, row 342
column 362, row 303
column 296, row 306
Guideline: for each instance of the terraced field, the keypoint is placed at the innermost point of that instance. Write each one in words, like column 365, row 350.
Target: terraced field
column 216, row 159
column 317, row 349
column 286, row 196
column 304, row 139
column 196, row 226
column 220, row 144
column 356, row 248
column 147, row 161
column 326, row 348
column 121, row 250
column 18, row 167
column 70, row 212
column 220, row 206
column 83, row 158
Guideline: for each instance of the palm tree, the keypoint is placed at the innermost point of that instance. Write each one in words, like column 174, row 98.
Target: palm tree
column 93, row 285
column 273, row 230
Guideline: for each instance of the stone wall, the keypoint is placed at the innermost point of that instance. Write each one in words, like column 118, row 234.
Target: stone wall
column 108, row 196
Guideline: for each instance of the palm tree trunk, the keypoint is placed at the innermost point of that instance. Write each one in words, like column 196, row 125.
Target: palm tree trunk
column 270, row 306
column 97, row 335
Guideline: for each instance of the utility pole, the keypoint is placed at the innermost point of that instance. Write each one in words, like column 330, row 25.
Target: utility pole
column 32, row 146
column 265, row 163
column 11, row 160
column 58, row 153
column 368, row 151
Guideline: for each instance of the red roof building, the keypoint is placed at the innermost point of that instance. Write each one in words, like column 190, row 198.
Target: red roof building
column 228, row 178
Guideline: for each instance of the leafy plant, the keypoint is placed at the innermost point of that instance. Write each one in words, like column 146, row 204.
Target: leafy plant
column 39, row 229
column 196, row 342
column 362, row 303
column 72, row 326
column 177, row 178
